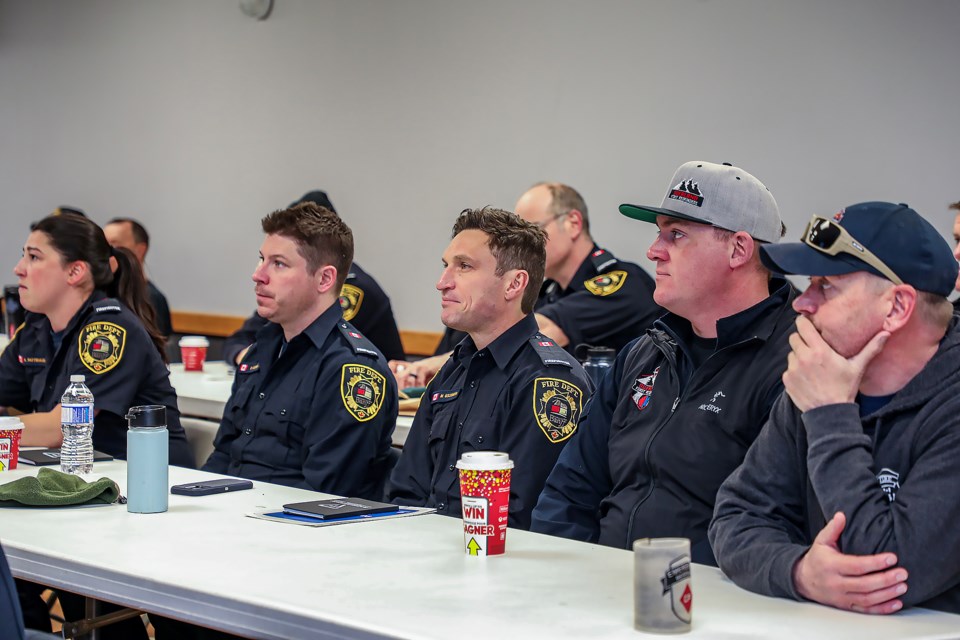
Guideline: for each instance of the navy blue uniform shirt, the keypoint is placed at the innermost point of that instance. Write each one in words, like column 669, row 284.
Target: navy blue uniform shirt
column 107, row 343
column 608, row 303
column 319, row 415
column 365, row 305
column 521, row 394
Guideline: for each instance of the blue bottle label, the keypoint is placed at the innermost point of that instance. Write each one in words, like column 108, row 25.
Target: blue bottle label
column 76, row 414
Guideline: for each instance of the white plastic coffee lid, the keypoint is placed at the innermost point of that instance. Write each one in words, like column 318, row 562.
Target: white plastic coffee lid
column 8, row 423
column 194, row 341
column 485, row 460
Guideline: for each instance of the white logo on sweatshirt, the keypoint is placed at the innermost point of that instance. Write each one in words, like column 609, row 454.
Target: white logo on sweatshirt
column 890, row 482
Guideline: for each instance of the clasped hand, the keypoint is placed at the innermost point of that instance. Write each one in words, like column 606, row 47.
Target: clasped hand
column 867, row 584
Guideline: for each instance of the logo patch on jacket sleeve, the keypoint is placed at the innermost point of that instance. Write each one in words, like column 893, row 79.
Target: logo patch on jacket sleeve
column 890, row 482
column 643, row 389
column 557, row 405
column 362, row 390
column 100, row 346
column 351, row 297
column 606, row 283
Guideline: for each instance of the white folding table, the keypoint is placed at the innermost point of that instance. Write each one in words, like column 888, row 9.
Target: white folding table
column 204, row 562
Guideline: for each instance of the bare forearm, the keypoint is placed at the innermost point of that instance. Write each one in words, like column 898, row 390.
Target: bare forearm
column 42, row 429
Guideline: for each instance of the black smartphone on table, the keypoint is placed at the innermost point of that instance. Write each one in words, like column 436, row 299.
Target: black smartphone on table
column 208, row 487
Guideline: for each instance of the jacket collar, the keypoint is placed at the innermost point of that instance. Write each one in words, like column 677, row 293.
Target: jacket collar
column 758, row 321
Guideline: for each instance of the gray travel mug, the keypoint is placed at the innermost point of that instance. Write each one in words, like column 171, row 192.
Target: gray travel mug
column 662, row 595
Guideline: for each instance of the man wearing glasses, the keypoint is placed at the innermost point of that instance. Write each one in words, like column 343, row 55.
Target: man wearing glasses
column 851, row 494
column 680, row 407
column 589, row 296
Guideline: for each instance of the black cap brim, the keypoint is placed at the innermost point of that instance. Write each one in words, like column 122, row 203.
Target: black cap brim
column 796, row 258
column 649, row 214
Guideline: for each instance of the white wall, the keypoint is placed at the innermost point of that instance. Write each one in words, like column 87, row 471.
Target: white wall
column 199, row 120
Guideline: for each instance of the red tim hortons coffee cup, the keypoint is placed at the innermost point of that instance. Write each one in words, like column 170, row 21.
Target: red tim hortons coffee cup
column 193, row 352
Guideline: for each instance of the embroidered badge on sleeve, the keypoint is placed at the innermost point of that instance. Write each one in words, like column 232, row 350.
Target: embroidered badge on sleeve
column 100, row 346
column 643, row 389
column 606, row 283
column 556, row 405
column 351, row 298
column 362, row 390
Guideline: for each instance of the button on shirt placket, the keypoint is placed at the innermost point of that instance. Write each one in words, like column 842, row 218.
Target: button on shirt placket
column 478, row 364
column 255, row 407
column 250, row 419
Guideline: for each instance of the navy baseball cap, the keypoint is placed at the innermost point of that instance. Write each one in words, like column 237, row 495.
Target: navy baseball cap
column 894, row 233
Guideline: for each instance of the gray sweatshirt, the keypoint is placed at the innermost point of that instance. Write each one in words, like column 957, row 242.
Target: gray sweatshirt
column 895, row 474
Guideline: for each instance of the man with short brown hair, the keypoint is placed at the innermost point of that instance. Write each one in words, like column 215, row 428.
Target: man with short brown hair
column 363, row 302
column 313, row 404
column 506, row 387
column 589, row 296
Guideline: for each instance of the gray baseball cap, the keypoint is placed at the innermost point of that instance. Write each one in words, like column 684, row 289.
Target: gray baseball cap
column 720, row 195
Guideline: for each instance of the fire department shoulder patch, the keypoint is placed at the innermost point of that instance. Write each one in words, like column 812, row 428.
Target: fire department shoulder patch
column 362, row 390
column 606, row 283
column 351, row 298
column 100, row 346
column 557, row 405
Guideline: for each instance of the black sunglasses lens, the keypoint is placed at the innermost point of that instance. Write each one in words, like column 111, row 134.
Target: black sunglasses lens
column 823, row 234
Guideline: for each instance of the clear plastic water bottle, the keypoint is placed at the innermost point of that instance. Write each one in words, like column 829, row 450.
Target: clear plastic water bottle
column 76, row 422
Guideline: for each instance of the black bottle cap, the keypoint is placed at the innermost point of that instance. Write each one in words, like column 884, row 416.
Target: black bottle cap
column 151, row 415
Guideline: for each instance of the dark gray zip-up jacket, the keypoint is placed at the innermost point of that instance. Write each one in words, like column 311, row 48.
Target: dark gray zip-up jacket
column 895, row 474
column 654, row 444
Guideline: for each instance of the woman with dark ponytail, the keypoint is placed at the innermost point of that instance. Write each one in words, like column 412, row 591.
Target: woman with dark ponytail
column 87, row 314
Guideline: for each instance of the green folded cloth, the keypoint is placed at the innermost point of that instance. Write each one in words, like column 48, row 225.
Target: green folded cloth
column 51, row 488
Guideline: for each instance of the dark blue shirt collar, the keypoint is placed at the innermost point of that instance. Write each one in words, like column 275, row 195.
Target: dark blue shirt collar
column 505, row 346
column 317, row 331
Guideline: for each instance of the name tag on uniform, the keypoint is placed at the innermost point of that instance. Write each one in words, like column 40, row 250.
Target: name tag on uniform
column 248, row 368
column 438, row 397
column 32, row 360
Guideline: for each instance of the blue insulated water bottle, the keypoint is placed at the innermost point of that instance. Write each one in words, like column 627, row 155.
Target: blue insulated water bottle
column 147, row 459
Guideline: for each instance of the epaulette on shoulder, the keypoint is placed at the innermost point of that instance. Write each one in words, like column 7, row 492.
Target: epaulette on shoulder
column 107, row 305
column 550, row 352
column 357, row 341
column 602, row 260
